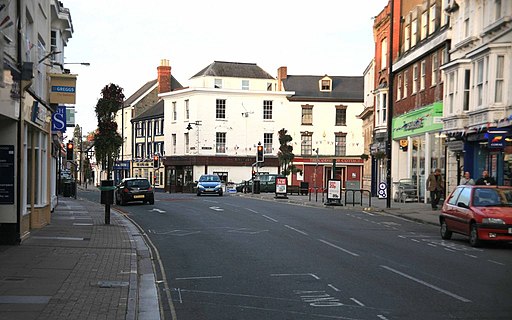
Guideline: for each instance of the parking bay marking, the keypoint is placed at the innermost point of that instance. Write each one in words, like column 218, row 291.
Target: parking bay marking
column 431, row 286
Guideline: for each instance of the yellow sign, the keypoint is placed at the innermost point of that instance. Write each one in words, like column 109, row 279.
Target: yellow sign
column 403, row 143
column 62, row 88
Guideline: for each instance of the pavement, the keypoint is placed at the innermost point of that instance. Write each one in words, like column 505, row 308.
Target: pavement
column 77, row 267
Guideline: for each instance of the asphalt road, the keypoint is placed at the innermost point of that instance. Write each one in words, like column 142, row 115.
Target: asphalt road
column 240, row 258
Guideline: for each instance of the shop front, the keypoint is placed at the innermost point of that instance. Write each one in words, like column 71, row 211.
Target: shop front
column 419, row 147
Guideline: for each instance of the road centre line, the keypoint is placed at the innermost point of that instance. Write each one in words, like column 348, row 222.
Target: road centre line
column 496, row 262
column 339, row 248
column 296, row 230
column 253, row 211
column 269, row 218
column 357, row 301
column 199, row 278
column 431, row 286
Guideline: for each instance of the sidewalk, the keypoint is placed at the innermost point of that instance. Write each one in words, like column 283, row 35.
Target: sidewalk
column 419, row 212
column 79, row 268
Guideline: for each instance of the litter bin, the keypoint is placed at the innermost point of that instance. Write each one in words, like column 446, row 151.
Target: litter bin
column 67, row 189
column 256, row 187
column 304, row 188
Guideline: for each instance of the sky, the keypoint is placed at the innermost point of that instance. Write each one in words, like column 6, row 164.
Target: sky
column 124, row 42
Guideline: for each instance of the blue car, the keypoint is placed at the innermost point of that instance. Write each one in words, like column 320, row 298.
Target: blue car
column 209, row 184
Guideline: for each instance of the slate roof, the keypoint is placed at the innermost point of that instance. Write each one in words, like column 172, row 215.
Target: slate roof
column 346, row 89
column 234, row 70
column 175, row 85
column 155, row 111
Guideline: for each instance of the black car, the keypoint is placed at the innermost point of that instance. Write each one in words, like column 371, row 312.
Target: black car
column 134, row 189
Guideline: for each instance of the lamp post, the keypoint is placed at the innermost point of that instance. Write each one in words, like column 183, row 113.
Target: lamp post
column 197, row 123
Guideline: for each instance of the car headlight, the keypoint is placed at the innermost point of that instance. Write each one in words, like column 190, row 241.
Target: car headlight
column 493, row 221
column 200, row 186
column 218, row 186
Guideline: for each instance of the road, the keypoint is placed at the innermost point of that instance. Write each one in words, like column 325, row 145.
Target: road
column 234, row 257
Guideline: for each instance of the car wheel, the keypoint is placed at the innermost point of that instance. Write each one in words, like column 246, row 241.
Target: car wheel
column 473, row 235
column 220, row 194
column 445, row 233
column 117, row 200
column 151, row 201
column 199, row 194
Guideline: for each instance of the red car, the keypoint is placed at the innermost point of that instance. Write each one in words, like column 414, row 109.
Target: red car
column 480, row 212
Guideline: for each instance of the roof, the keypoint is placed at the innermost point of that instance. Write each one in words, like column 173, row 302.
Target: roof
column 234, row 70
column 156, row 111
column 346, row 89
column 175, row 85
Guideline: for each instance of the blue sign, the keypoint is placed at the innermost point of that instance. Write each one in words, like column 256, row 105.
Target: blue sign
column 59, row 119
column 496, row 140
column 65, row 89
column 120, row 165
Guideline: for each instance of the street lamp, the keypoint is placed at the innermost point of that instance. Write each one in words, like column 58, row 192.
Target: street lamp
column 196, row 123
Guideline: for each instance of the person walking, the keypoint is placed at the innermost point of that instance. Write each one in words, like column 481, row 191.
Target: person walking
column 435, row 184
column 485, row 179
column 467, row 180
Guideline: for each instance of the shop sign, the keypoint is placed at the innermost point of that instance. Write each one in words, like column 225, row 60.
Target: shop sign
column 496, row 140
column 59, row 119
column 334, row 190
column 281, row 183
column 418, row 121
column 6, row 174
column 62, row 88
column 404, row 143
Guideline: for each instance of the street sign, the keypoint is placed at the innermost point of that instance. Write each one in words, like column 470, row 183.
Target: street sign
column 334, row 190
column 281, row 183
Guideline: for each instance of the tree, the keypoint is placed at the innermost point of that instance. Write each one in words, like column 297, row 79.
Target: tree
column 285, row 154
column 107, row 141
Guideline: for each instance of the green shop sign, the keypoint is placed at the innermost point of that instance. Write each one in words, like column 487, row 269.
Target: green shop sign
column 418, row 121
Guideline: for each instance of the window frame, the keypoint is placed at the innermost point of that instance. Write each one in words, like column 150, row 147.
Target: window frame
column 220, row 109
column 220, row 142
column 340, row 118
column 267, row 109
column 307, row 114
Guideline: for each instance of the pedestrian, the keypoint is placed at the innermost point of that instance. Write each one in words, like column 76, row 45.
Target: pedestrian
column 435, row 184
column 467, row 180
column 485, row 179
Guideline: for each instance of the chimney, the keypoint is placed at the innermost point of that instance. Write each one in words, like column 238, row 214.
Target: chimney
column 164, row 76
column 282, row 74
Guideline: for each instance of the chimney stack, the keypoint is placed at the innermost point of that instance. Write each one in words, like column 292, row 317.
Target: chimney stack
column 282, row 74
column 164, row 76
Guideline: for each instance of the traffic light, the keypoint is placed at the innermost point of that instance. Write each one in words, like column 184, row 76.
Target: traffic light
column 69, row 151
column 156, row 162
column 259, row 155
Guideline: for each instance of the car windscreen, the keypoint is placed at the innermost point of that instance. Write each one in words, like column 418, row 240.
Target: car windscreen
column 143, row 184
column 209, row 179
column 487, row 197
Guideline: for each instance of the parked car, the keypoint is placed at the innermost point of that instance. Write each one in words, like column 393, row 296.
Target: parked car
column 480, row 212
column 134, row 189
column 209, row 184
column 267, row 183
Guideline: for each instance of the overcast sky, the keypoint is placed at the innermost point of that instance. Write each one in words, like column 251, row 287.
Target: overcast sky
column 124, row 40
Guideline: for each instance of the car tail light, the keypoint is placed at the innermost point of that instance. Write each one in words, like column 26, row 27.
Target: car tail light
column 126, row 190
column 150, row 189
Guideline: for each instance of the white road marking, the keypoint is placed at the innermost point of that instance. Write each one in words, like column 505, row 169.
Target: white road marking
column 470, row 255
column 496, row 262
column 157, row 210
column 333, row 288
column 296, row 230
column 199, row 278
column 357, row 301
column 269, row 218
column 381, row 317
column 431, row 286
column 339, row 248
column 253, row 211
column 217, row 208
column 295, row 275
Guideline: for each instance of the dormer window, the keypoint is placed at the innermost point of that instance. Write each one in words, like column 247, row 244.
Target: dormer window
column 217, row 84
column 326, row 84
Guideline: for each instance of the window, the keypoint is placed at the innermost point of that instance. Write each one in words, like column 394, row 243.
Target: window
column 466, row 23
column 497, row 12
column 245, row 84
column 341, row 116
column 407, row 35
column 307, row 114
column 220, row 109
column 150, row 128
column 383, row 53
column 340, row 144
column 187, row 110
column 414, row 78
column 53, row 44
column 267, row 142
column 424, row 25
column 399, row 88
column 139, row 150
column 159, row 148
column 150, row 149
column 174, row 111
column 422, row 79
column 220, row 142
column 159, row 125
column 306, row 144
column 139, row 129
column 467, row 85
column 479, row 83
column 218, row 83
column 500, row 64
column 435, row 65
column 186, row 138
column 173, row 139
column 414, row 31
column 451, row 91
column 269, row 86
column 432, row 17
column 325, row 85
column 267, row 109
column 383, row 102
column 406, row 84
column 455, row 195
